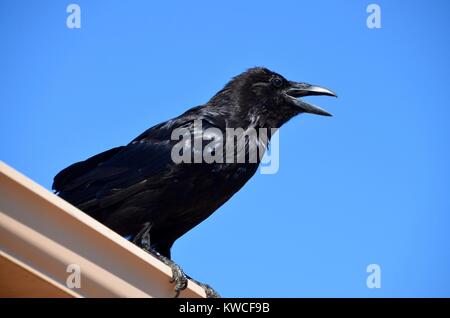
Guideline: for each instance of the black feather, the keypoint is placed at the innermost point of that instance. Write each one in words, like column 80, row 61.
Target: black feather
column 129, row 186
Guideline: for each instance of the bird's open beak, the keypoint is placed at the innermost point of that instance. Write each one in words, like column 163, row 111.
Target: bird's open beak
column 297, row 90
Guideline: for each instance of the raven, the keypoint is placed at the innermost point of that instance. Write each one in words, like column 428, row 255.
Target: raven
column 139, row 191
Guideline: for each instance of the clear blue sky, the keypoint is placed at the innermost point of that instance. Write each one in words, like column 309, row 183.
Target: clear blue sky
column 369, row 185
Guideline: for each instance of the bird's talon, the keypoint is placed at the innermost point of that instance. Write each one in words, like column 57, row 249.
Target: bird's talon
column 209, row 291
column 179, row 278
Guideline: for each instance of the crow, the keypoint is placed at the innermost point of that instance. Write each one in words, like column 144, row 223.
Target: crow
column 144, row 192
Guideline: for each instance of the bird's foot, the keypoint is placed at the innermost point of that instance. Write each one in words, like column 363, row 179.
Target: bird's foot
column 209, row 291
column 142, row 239
column 178, row 277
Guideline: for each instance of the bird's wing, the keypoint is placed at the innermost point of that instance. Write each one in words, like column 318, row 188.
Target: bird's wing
column 125, row 174
column 113, row 176
column 67, row 176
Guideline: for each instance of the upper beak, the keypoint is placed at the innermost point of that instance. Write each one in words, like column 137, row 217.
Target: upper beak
column 304, row 89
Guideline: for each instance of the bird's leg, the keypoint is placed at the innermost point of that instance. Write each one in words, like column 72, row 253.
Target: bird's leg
column 178, row 276
column 142, row 239
column 209, row 291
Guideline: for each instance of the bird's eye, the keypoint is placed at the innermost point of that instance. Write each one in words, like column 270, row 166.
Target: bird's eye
column 277, row 82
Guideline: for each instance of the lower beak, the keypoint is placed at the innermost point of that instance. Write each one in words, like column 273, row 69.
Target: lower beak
column 297, row 90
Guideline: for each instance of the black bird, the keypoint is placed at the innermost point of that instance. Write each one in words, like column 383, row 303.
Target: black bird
column 140, row 191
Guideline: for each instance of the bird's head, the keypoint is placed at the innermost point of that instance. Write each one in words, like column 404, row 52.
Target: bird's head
column 270, row 97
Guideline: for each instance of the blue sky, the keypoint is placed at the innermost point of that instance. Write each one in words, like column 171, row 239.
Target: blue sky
column 369, row 185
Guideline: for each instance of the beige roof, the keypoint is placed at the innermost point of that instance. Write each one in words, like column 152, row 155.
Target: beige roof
column 41, row 235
